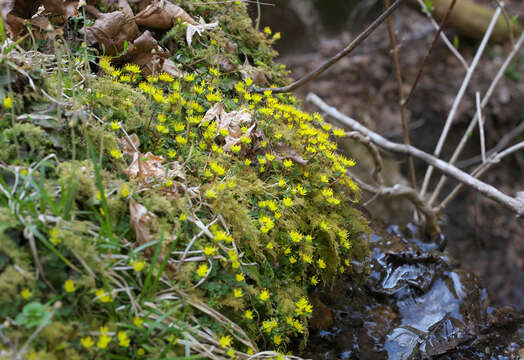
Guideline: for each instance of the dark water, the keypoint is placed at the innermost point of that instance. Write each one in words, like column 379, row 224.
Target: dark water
column 415, row 304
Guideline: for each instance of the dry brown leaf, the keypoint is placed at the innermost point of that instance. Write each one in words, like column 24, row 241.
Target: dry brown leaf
column 257, row 75
column 66, row 9
column 286, row 152
column 232, row 122
column 130, row 144
column 162, row 14
column 143, row 222
column 170, row 68
column 225, row 64
column 112, row 30
column 140, row 53
column 124, row 6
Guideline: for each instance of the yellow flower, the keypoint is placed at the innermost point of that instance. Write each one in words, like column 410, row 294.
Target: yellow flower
column 69, row 286
column 303, row 307
column 314, row 280
column 87, row 342
column 125, row 192
column 281, row 182
column 248, row 314
column 211, row 194
column 103, row 296
column 236, row 148
column 238, row 293
column 298, row 326
column 8, row 102
column 277, row 339
column 138, row 321
column 183, row 217
column 209, row 250
column 247, row 162
column 324, row 225
column 264, row 295
column 249, row 81
column 181, row 140
column 103, row 341
column 321, row 264
column 288, row 201
column 116, row 154
column 189, row 77
column 267, row 30
column 137, row 265
column 202, row 270
column 240, row 277
column 140, row 352
column 225, row 341
column 230, row 353
column 288, row 163
column 26, row 293
column 269, row 325
column 123, row 339
column 114, row 125
column 296, row 236
column 339, row 132
column 162, row 129
column 277, row 37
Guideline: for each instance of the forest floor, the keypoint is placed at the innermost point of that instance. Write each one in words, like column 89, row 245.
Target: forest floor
column 481, row 235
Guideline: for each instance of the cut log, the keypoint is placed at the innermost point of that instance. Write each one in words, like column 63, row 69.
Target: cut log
column 471, row 19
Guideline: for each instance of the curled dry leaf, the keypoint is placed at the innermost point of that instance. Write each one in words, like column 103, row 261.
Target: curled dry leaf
column 225, row 64
column 140, row 53
column 143, row 222
column 257, row 75
column 162, row 14
column 286, row 152
column 112, row 30
column 199, row 28
column 232, row 122
column 66, row 9
column 124, row 6
column 170, row 68
column 130, row 144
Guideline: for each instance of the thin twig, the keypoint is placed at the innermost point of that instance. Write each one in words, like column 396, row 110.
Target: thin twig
column 458, row 98
column 473, row 122
column 480, row 170
column 515, row 204
column 430, row 50
column 505, row 140
column 400, row 84
column 348, row 49
column 448, row 43
column 481, row 128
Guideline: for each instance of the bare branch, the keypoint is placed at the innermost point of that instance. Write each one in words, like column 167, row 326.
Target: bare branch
column 515, row 204
column 458, row 98
column 426, row 58
column 481, row 128
column 473, row 122
column 400, row 84
column 356, row 42
column 373, row 150
column 445, row 38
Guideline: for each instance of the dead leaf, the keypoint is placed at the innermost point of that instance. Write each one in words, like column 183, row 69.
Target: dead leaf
column 124, row 6
column 257, row 75
column 112, row 30
column 232, row 122
column 130, row 144
column 162, row 14
column 225, row 64
column 141, row 53
column 199, row 28
column 170, row 68
column 284, row 151
column 143, row 222
column 66, row 9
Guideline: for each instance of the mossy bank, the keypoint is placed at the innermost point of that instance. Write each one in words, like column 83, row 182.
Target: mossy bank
column 149, row 215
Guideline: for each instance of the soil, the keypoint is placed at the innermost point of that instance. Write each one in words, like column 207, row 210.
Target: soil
column 483, row 236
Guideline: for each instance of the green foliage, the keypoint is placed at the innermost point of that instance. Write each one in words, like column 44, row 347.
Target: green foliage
column 227, row 247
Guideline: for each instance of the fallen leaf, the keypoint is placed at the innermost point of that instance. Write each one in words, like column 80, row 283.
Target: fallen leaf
column 232, row 122
column 130, row 144
column 199, row 28
column 111, row 31
column 162, row 14
column 286, row 152
column 124, row 6
column 225, row 64
column 140, row 53
column 66, row 9
column 170, row 68
column 257, row 75
column 143, row 222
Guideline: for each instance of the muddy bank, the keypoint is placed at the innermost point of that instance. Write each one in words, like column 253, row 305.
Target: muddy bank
column 415, row 305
